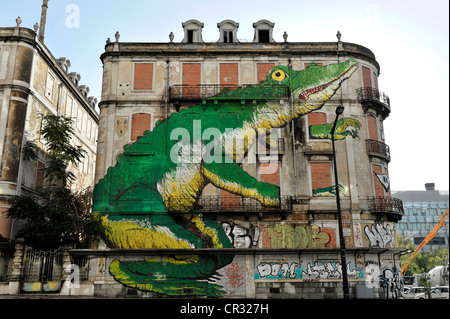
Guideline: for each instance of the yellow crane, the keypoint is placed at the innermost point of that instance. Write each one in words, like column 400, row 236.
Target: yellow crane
column 427, row 239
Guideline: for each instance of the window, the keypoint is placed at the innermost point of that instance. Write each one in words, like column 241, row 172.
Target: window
column 40, row 175
column 367, row 79
column 263, row 36
column 69, row 102
column 190, row 34
column 80, row 115
column 89, row 129
column 143, row 76
column 262, row 70
column 228, row 36
column 140, row 123
column 49, row 84
column 86, row 165
column 321, row 179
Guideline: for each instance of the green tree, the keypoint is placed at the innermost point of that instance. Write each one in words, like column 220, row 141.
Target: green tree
column 423, row 262
column 55, row 214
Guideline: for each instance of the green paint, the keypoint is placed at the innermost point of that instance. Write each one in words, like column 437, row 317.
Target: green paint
column 147, row 197
column 328, row 191
column 344, row 127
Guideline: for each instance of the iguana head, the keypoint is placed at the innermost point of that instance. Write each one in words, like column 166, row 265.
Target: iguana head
column 312, row 87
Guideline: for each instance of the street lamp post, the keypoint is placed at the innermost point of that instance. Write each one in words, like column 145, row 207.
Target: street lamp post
column 339, row 111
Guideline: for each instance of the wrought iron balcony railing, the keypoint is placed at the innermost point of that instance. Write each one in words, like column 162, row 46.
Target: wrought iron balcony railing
column 389, row 205
column 373, row 94
column 216, row 203
column 377, row 148
column 227, row 92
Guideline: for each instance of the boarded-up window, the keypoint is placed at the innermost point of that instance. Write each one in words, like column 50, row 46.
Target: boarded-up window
column 229, row 74
column 262, row 70
column 270, row 173
column 367, row 81
column 140, row 122
column 373, row 127
column 375, row 80
column 321, row 178
column 378, row 186
column 191, row 79
column 143, row 76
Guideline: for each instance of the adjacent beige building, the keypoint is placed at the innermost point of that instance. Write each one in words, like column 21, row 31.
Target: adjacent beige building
column 34, row 82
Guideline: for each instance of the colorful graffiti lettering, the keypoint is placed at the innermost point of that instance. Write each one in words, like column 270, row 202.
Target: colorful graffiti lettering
column 297, row 236
column 392, row 282
column 380, row 235
column 147, row 199
column 276, row 271
column 327, row 270
column 240, row 236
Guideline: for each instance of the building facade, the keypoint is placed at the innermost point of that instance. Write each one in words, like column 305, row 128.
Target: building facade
column 33, row 82
column 423, row 209
column 265, row 225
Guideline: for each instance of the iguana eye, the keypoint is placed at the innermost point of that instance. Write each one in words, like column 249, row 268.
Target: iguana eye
column 278, row 75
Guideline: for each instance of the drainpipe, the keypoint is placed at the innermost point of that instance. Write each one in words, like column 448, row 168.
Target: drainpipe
column 167, row 86
column 293, row 139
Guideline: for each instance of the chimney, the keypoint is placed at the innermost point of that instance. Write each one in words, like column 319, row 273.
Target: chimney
column 43, row 20
column 429, row 186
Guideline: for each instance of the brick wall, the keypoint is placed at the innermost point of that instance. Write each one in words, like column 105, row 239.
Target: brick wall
column 373, row 128
column 320, row 175
column 140, row 122
column 375, row 80
column 378, row 187
column 143, row 76
column 262, row 70
column 192, row 77
column 315, row 63
column 317, row 118
column 229, row 200
column 274, row 176
column 229, row 74
column 367, row 81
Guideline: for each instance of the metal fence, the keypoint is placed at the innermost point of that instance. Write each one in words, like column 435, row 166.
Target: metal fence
column 217, row 203
column 221, row 91
column 41, row 268
column 83, row 262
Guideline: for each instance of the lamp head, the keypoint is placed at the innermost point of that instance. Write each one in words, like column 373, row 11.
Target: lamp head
column 339, row 110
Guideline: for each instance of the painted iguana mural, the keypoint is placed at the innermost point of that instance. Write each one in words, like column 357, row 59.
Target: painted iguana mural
column 147, row 198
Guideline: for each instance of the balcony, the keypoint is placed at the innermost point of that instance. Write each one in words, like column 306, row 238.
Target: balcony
column 227, row 92
column 392, row 207
column 372, row 97
column 379, row 149
column 232, row 204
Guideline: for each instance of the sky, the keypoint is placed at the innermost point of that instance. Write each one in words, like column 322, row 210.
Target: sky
column 410, row 40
